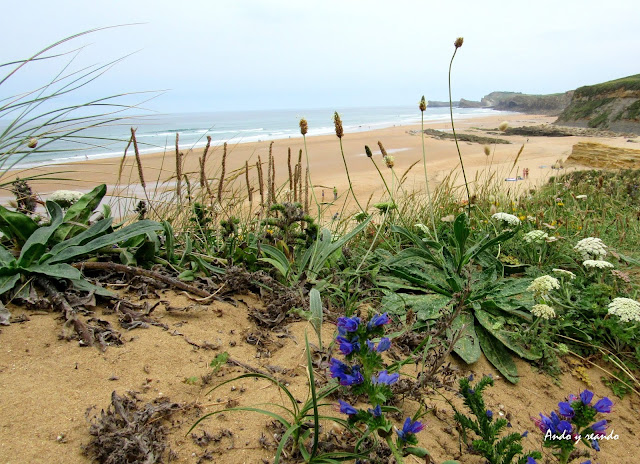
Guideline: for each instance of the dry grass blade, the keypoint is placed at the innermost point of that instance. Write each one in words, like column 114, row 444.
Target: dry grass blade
column 138, row 160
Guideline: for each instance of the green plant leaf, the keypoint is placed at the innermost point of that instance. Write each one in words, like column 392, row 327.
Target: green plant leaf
column 489, row 322
column 461, row 232
column 169, row 241
column 277, row 259
column 315, row 306
column 5, row 256
column 57, row 271
column 80, row 212
column 96, row 229
column 16, row 225
column 35, row 246
column 74, row 252
column 314, row 399
column 7, row 282
column 426, row 307
column 468, row 346
column 497, row 354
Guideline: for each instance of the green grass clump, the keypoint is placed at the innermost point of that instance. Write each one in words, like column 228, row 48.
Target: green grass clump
column 600, row 120
column 583, row 109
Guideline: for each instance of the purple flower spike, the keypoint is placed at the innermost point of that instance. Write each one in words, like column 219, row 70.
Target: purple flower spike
column 409, row 428
column 604, row 405
column 346, row 408
column 530, row 460
column 489, row 414
column 600, row 426
column 378, row 321
column 384, row 344
column 377, row 411
column 566, row 410
column 564, row 427
column 346, row 375
column 586, row 397
column 385, row 378
column 348, row 324
column 347, row 347
column 371, row 345
column 595, row 445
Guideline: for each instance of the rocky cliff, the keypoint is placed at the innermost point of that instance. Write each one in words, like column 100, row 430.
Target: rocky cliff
column 613, row 105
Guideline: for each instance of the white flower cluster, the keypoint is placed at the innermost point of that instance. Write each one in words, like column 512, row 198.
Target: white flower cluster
column 423, row 228
column 591, row 248
column 581, row 197
column 544, row 311
column 65, row 198
column 564, row 273
column 508, row 218
column 626, row 309
column 535, row 236
column 597, row 263
column 542, row 285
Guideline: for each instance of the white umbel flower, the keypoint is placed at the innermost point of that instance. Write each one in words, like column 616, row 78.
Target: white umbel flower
column 591, row 248
column 626, row 309
column 508, row 218
column 544, row 311
column 597, row 263
column 65, row 198
column 535, row 236
column 542, row 285
column 565, row 273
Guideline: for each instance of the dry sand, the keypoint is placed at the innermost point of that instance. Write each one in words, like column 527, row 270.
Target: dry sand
column 327, row 168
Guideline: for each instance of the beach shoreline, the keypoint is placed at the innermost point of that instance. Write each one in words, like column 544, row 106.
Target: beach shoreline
column 326, row 164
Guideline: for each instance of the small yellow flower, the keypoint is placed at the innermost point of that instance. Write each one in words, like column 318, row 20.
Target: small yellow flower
column 522, row 217
column 560, row 204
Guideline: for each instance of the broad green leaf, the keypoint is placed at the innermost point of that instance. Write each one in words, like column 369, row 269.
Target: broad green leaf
column 329, row 248
column 36, row 245
column 74, row 252
column 277, row 259
column 497, row 354
column 96, row 229
column 461, row 232
column 86, row 286
column 6, row 256
column 16, row 225
column 57, row 271
column 492, row 324
column 467, row 347
column 168, row 240
column 426, row 307
column 7, row 282
column 80, row 212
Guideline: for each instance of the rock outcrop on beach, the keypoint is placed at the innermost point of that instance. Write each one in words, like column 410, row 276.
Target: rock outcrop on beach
column 598, row 155
column 552, row 104
column 613, row 105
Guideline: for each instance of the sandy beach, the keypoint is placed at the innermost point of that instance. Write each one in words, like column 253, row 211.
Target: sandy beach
column 326, row 163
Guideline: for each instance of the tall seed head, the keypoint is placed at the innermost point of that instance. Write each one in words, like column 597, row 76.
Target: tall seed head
column 338, row 123
column 389, row 161
column 504, row 125
column 382, row 150
column 304, row 127
column 458, row 42
column 367, row 150
column 423, row 104
column 487, row 150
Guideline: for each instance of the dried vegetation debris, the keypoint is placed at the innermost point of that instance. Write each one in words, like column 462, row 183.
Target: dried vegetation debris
column 130, row 431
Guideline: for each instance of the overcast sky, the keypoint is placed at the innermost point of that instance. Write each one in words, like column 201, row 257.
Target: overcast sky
column 267, row 54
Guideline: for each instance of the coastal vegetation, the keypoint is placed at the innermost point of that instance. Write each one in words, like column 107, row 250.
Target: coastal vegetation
column 396, row 289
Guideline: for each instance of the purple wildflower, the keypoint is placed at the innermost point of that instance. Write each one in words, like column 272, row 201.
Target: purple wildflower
column 587, row 462
column 604, row 405
column 524, row 434
column 489, row 414
column 586, row 397
column 377, row 411
column 378, row 321
column 409, row 428
column 470, row 378
column 566, row 410
column 571, row 398
column 384, row 344
column 346, row 408
column 371, row 345
column 384, row 377
column 530, row 460
column 348, row 324
column 346, row 375
column 600, row 426
column 564, row 427
column 595, row 445
column 347, row 347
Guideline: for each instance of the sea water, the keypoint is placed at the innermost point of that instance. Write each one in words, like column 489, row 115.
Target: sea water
column 157, row 133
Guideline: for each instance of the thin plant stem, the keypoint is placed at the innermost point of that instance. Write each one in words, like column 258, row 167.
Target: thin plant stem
column 455, row 137
column 344, row 160
column 426, row 180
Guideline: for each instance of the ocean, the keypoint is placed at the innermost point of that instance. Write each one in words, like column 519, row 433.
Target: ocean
column 157, row 132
